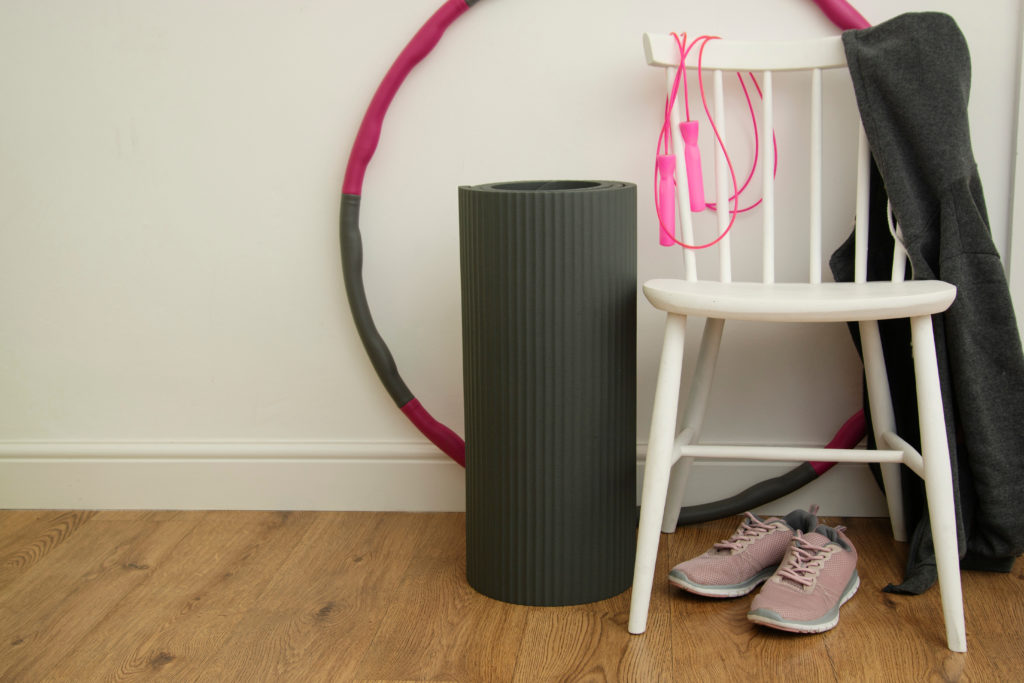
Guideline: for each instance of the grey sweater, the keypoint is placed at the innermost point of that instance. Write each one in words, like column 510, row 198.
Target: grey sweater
column 912, row 77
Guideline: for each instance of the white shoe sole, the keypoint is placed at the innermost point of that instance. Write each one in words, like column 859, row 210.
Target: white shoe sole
column 767, row 617
column 730, row 591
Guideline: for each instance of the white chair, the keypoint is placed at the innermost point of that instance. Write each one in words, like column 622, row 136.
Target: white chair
column 672, row 449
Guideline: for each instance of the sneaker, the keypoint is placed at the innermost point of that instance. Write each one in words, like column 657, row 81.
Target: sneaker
column 746, row 559
column 818, row 575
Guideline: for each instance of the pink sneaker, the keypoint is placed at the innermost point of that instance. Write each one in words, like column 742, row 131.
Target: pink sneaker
column 739, row 564
column 818, row 574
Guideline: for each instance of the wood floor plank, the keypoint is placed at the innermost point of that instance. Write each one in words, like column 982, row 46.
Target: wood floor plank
column 30, row 535
column 907, row 632
column 1009, row 603
column 16, row 525
column 266, row 596
column 907, row 629
column 49, row 609
column 591, row 642
column 438, row 628
column 315, row 620
column 142, row 515
column 171, row 624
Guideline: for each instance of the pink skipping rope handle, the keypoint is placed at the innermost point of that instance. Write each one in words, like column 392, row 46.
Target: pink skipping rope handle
column 694, row 173
column 667, row 230
column 666, row 199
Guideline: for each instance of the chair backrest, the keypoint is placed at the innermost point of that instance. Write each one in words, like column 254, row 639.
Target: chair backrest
column 762, row 58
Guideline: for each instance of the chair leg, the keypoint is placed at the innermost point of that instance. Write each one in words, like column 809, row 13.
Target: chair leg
column 892, row 482
column 656, row 470
column 883, row 420
column 677, row 479
column 938, row 481
column 693, row 418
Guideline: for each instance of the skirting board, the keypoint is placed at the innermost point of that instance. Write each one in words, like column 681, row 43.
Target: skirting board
column 299, row 475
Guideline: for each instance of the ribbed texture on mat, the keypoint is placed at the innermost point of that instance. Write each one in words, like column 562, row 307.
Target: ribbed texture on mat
column 549, row 349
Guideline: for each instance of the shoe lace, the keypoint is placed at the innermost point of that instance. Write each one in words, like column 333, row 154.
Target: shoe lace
column 749, row 529
column 802, row 564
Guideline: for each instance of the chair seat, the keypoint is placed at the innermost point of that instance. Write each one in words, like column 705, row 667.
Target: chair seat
column 801, row 302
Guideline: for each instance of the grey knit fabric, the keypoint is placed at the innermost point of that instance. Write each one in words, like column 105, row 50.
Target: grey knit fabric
column 912, row 80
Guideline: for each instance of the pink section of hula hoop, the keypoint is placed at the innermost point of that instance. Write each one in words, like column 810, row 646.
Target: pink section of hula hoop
column 842, row 14
column 848, row 436
column 369, row 130
column 441, row 436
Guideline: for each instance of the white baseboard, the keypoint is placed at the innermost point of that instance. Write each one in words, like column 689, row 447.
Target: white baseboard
column 292, row 475
column 300, row 475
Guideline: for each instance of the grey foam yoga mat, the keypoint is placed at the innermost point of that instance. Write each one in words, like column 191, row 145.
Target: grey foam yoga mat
column 549, row 368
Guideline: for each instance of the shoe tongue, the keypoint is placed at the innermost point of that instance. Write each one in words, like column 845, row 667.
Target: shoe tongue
column 819, row 536
column 832, row 534
column 730, row 551
column 801, row 520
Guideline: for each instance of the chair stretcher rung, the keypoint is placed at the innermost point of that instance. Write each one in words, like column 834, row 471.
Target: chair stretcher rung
column 911, row 457
column 792, row 453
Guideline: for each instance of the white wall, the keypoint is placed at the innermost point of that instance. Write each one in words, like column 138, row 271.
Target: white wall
column 1014, row 259
column 170, row 290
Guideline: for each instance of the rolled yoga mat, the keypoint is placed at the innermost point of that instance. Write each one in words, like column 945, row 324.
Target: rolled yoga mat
column 549, row 368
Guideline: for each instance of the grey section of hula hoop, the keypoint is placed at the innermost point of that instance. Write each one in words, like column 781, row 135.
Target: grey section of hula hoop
column 352, row 270
column 755, row 496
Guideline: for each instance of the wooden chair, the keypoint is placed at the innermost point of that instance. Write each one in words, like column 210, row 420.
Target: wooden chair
column 672, row 448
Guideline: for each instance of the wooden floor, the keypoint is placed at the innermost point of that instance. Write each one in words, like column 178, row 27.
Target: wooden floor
column 340, row 596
